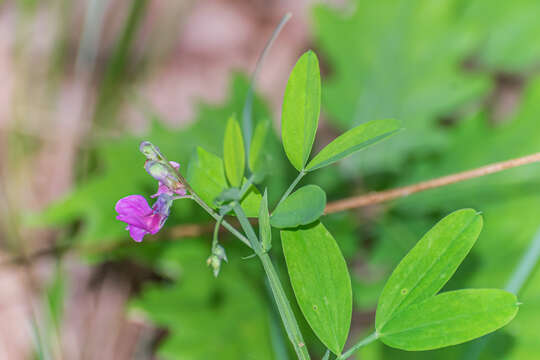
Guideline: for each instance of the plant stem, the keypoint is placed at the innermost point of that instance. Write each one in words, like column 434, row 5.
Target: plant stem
column 291, row 187
column 387, row 195
column 368, row 340
column 283, row 305
column 326, row 355
column 216, row 233
column 526, row 266
column 279, row 345
column 217, row 217
column 247, row 124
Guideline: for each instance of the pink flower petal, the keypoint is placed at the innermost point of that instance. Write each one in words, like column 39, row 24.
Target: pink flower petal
column 137, row 233
column 133, row 205
column 162, row 189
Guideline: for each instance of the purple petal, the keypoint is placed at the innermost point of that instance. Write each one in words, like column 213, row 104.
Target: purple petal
column 133, row 205
column 132, row 210
column 154, row 223
column 141, row 219
column 137, row 233
column 174, row 164
column 181, row 191
column 162, row 189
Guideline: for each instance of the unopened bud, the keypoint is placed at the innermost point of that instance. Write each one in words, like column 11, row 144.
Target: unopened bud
column 219, row 251
column 215, row 263
column 162, row 173
column 149, row 150
column 163, row 204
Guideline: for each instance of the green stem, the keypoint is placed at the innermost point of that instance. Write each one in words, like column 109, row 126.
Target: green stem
column 283, row 305
column 216, row 233
column 368, row 340
column 217, row 217
column 279, row 345
column 326, row 355
column 291, row 187
column 247, row 121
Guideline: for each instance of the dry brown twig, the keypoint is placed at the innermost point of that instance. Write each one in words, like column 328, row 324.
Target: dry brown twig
column 373, row 198
column 383, row 196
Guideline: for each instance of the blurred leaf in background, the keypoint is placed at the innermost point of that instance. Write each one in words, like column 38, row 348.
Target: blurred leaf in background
column 207, row 318
column 397, row 60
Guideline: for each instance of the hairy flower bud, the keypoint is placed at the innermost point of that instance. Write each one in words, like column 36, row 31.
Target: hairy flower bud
column 215, row 263
column 163, row 204
column 149, row 150
column 219, row 251
column 162, row 173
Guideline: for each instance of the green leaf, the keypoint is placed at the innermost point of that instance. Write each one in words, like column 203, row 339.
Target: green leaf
column 505, row 32
column 450, row 318
column 206, row 176
column 321, row 282
column 257, row 149
column 477, row 141
column 265, row 231
column 510, row 203
column 302, row 207
column 301, row 107
column 233, row 152
column 354, row 140
column 430, row 264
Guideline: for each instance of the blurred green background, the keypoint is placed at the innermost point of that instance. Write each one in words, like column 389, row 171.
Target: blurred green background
column 82, row 82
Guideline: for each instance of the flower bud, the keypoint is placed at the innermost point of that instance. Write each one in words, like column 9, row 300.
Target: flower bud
column 163, row 204
column 215, row 263
column 149, row 150
column 219, row 251
column 162, row 173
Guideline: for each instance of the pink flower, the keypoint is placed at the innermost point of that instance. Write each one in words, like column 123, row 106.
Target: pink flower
column 140, row 218
column 167, row 182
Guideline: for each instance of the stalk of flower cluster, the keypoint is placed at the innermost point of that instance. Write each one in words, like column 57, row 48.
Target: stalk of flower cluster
column 200, row 201
column 283, row 305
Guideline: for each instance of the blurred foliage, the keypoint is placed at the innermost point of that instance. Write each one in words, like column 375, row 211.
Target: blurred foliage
column 397, row 60
column 116, row 175
column 510, row 202
column 207, row 318
column 431, row 65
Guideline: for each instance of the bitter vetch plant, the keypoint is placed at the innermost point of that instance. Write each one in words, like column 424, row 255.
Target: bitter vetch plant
column 411, row 313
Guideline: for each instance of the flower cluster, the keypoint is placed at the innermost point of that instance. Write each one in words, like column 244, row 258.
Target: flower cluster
column 141, row 219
